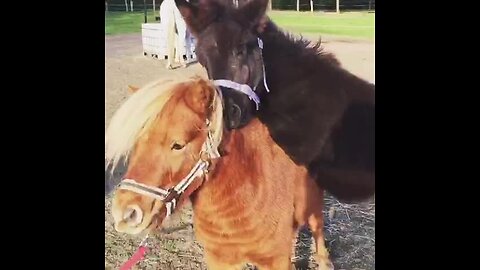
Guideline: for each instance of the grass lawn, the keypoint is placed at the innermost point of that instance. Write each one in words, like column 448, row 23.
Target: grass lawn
column 126, row 22
column 348, row 24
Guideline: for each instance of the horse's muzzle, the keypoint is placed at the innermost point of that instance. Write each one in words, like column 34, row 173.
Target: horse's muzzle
column 238, row 109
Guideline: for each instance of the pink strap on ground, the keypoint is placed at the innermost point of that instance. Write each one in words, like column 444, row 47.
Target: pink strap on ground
column 138, row 256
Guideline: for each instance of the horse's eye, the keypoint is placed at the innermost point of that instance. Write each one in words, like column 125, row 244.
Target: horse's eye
column 177, row 146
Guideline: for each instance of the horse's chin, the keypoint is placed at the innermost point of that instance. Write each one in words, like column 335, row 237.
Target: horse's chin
column 144, row 228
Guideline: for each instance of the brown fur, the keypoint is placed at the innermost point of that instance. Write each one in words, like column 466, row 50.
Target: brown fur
column 252, row 202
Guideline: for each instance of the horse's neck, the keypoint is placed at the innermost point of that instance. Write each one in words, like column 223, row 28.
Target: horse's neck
column 288, row 62
column 278, row 50
column 240, row 148
column 242, row 189
column 239, row 166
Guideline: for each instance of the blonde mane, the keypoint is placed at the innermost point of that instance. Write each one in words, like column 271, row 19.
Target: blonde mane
column 135, row 116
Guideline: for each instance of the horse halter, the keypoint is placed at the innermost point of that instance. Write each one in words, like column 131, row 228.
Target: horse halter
column 245, row 88
column 170, row 196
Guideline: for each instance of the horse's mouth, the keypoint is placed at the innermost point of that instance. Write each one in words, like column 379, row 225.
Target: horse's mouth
column 153, row 224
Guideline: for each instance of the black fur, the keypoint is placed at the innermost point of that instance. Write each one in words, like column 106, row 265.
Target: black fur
column 320, row 114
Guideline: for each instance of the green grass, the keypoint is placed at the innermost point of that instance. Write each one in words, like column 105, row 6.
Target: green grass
column 349, row 24
column 126, row 22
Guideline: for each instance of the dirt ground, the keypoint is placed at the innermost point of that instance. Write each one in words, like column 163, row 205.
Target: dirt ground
column 349, row 229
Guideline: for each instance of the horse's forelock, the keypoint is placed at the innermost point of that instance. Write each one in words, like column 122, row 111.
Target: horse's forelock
column 133, row 118
column 136, row 115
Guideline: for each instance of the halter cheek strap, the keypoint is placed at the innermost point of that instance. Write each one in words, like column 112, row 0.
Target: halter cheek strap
column 260, row 44
column 245, row 88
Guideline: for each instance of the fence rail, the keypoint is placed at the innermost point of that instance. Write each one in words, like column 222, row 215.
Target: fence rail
column 358, row 23
column 326, row 5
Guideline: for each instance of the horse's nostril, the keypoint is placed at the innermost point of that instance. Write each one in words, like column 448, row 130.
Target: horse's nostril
column 133, row 215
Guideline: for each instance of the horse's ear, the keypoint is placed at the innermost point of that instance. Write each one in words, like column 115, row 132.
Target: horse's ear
column 198, row 16
column 200, row 96
column 254, row 12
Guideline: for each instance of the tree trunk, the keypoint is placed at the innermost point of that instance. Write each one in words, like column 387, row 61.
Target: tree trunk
column 126, row 6
column 311, row 6
column 338, row 6
column 298, row 5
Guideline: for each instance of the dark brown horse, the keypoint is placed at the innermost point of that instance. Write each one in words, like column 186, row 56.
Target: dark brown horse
column 320, row 114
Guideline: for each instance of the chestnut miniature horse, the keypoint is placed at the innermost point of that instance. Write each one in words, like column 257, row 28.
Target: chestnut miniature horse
column 249, row 201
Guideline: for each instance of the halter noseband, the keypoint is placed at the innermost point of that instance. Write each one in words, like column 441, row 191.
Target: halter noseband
column 170, row 197
column 245, row 88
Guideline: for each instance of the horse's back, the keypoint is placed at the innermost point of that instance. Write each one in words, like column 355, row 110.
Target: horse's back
column 346, row 167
